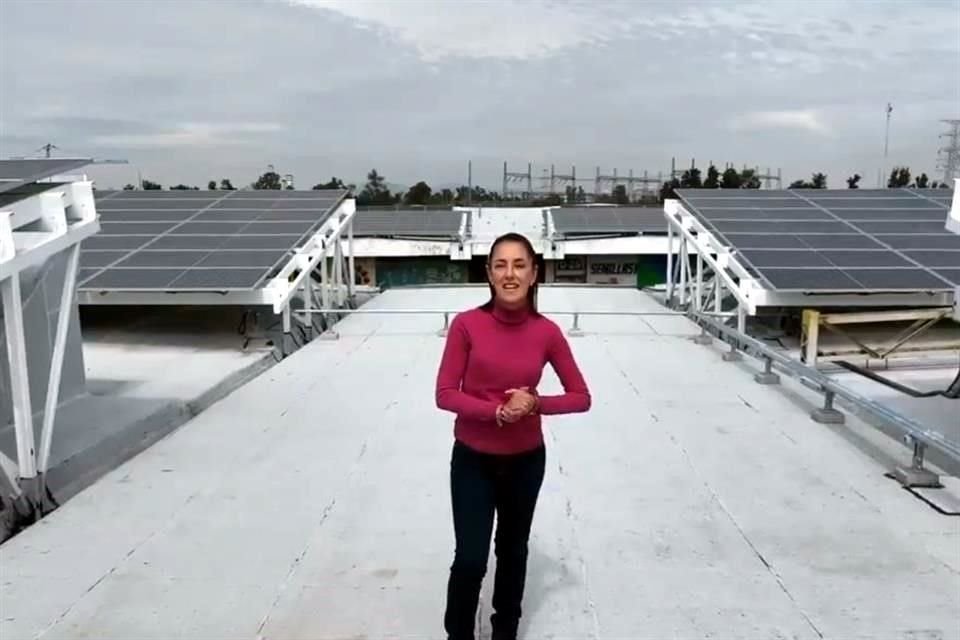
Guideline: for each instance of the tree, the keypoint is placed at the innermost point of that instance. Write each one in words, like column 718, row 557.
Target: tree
column 334, row 183
column 418, row 194
column 731, row 179
column 128, row 187
column 713, row 178
column 183, row 187
column 668, row 191
column 899, row 177
column 149, row 185
column 817, row 181
column 375, row 192
column 853, row 182
column 212, row 185
column 269, row 180
column 922, row 181
column 226, row 185
column 749, row 179
column 691, row 179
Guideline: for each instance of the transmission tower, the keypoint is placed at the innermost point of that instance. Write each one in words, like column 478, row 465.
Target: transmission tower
column 510, row 177
column 950, row 154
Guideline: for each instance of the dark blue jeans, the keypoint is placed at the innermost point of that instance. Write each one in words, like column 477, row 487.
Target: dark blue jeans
column 482, row 484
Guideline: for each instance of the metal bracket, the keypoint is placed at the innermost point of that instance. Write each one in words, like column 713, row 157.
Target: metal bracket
column 733, row 355
column 916, row 475
column 767, row 376
column 827, row 414
column 704, row 338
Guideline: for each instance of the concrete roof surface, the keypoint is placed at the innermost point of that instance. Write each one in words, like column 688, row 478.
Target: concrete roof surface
column 313, row 502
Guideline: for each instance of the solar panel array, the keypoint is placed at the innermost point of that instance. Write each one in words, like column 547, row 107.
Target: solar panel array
column 587, row 220
column 198, row 240
column 16, row 173
column 836, row 241
column 407, row 222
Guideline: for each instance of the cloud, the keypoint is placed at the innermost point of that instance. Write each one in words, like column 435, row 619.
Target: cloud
column 195, row 134
column 800, row 120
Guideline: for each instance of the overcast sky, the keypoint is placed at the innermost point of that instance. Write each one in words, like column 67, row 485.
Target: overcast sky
column 189, row 91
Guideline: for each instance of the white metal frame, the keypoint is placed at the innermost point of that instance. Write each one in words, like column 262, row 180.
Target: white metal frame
column 32, row 231
column 750, row 293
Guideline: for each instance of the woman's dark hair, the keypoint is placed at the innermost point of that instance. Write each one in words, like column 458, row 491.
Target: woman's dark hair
column 531, row 253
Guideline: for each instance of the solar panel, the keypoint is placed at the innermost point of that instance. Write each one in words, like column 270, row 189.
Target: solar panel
column 833, row 241
column 407, row 222
column 188, row 240
column 16, row 173
column 588, row 220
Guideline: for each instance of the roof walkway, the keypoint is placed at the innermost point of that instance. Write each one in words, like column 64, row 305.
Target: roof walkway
column 313, row 502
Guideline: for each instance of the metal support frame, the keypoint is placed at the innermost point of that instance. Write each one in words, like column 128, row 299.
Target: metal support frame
column 914, row 434
column 58, row 220
column 751, row 293
column 923, row 320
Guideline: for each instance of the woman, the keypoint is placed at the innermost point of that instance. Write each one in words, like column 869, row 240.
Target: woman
column 492, row 362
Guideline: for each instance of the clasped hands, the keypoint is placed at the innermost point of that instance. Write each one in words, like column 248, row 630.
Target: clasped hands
column 520, row 404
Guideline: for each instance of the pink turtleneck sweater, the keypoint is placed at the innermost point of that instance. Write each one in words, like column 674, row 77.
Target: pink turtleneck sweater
column 487, row 353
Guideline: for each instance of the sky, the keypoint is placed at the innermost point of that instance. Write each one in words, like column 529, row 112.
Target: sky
column 189, row 91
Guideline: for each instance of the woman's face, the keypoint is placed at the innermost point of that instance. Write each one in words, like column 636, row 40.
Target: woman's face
column 512, row 272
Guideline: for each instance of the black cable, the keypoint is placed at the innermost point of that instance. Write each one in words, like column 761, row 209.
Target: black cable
column 952, row 391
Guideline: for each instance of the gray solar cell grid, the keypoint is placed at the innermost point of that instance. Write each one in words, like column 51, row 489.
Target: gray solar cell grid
column 879, row 240
column 586, row 220
column 169, row 240
column 951, row 275
column 409, row 222
column 124, row 215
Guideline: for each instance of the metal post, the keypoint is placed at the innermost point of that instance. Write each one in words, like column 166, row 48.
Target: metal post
column 810, row 330
column 338, row 272
column 827, row 414
column 352, row 270
column 699, row 304
column 324, row 281
column 683, row 271
column 575, row 330
column 56, row 363
column 733, row 355
column 670, row 264
column 741, row 319
column 286, row 339
column 767, row 376
column 717, row 292
column 19, row 382
column 446, row 324
column 704, row 337
column 307, row 294
column 916, row 475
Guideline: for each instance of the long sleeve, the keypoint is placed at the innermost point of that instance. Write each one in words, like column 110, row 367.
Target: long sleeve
column 449, row 395
column 576, row 397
